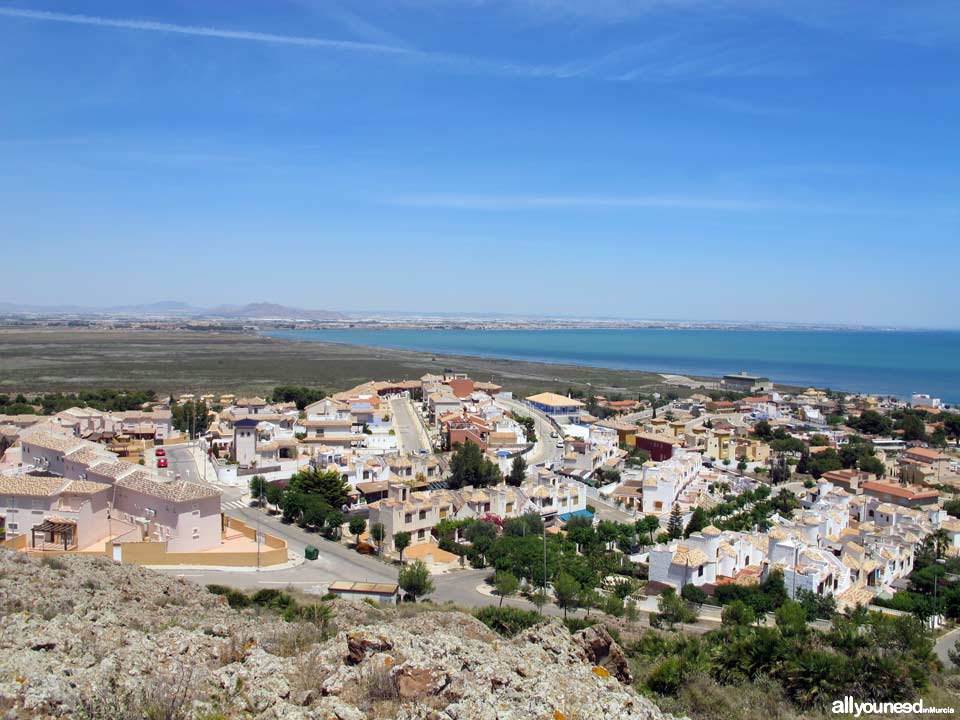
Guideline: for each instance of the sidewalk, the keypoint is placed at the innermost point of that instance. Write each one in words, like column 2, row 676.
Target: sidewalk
column 203, row 463
column 294, row 561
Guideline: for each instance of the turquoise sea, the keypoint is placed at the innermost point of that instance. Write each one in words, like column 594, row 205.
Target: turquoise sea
column 884, row 362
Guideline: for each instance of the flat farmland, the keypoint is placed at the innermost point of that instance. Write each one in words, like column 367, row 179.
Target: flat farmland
column 174, row 361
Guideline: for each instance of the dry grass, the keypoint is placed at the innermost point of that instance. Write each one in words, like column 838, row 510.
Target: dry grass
column 235, row 648
column 70, row 360
column 309, row 674
column 295, row 639
column 164, row 697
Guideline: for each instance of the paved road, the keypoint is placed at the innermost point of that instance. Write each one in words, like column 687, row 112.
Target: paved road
column 180, row 462
column 337, row 562
column 411, row 435
column 945, row 645
column 545, row 450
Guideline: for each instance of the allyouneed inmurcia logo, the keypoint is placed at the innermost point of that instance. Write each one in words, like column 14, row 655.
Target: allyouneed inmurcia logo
column 849, row 706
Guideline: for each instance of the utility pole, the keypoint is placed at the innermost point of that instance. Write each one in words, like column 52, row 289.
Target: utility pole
column 259, row 534
column 544, row 560
column 796, row 558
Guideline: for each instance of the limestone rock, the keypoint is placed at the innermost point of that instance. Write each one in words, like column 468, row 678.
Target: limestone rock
column 84, row 635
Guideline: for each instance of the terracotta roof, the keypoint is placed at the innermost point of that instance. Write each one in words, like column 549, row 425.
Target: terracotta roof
column 900, row 491
column 926, row 453
column 58, row 443
column 112, row 469
column 85, row 487
column 179, row 491
column 30, row 485
column 554, row 400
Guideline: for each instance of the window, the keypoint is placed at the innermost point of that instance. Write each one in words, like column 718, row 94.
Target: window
column 408, row 518
column 420, row 534
column 196, row 533
column 423, row 515
column 700, row 571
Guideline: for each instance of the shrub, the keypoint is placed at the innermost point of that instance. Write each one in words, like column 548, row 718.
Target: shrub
column 691, row 593
column 507, row 621
column 237, row 599
column 666, row 677
column 218, row 589
column 53, row 562
column 577, row 624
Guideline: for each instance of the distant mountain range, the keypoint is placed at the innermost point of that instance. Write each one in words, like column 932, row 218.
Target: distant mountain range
column 173, row 308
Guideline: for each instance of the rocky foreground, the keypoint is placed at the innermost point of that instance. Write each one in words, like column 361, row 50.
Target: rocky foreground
column 87, row 638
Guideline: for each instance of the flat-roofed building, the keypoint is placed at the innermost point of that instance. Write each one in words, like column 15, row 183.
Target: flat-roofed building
column 556, row 406
column 742, row 382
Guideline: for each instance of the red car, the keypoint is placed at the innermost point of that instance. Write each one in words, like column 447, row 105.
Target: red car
column 160, row 452
column 161, row 462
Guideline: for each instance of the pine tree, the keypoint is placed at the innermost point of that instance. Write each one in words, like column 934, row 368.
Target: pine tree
column 518, row 471
column 675, row 525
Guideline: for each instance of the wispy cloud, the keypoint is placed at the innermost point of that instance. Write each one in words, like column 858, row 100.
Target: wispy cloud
column 149, row 25
column 461, row 201
column 749, row 202
column 665, row 59
column 359, row 26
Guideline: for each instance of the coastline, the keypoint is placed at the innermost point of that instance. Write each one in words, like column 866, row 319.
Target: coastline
column 70, row 360
column 880, row 363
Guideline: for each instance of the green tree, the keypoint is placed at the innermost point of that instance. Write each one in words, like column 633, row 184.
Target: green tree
column 939, row 437
column 328, row 485
column 763, row 430
column 302, row 396
column 357, row 527
column 566, row 590
column 675, row 524
column 415, row 580
column 468, row 466
column 273, row 494
column 823, row 462
column 873, row 464
column 738, row 613
column 589, row 598
column 518, row 472
column 691, row 593
column 258, row 487
column 378, row 533
column 871, row 422
column 332, row 521
column 672, row 609
column 912, row 426
column 314, row 513
column 951, row 424
column 791, row 619
column 401, row 541
column 624, row 588
column 647, row 524
column 506, row 585
column 698, row 521
column 780, row 472
column 292, row 505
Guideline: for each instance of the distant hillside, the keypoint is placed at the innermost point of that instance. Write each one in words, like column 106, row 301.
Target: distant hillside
column 264, row 310
column 174, row 308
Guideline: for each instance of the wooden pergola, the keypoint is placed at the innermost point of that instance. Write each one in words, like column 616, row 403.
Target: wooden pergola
column 55, row 532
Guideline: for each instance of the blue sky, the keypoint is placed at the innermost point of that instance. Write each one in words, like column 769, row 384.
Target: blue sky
column 694, row 159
